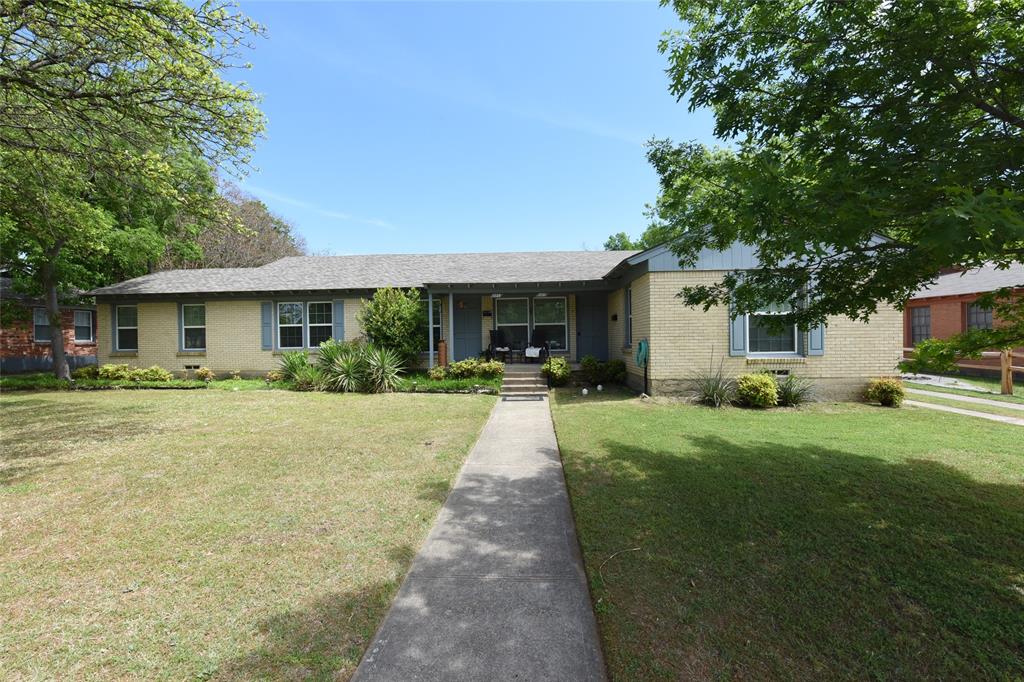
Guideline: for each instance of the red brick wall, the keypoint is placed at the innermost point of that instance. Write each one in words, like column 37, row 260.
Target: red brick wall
column 949, row 317
column 16, row 339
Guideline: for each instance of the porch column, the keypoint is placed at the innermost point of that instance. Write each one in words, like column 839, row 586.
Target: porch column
column 451, row 327
column 430, row 330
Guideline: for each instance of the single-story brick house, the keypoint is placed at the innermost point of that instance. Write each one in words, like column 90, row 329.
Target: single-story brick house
column 599, row 303
column 25, row 332
column 948, row 307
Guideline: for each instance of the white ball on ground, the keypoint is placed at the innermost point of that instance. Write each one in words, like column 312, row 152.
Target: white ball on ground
column 600, row 388
column 585, row 391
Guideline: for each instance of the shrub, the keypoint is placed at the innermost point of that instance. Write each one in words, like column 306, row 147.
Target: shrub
column 437, row 373
column 712, row 387
column 205, row 374
column 556, row 370
column 294, row 362
column 154, row 373
column 492, row 369
column 346, row 373
column 393, row 319
column 794, row 390
column 888, row 391
column 273, row 376
column 757, row 390
column 596, row 372
column 463, row 369
column 383, row 367
column 307, row 378
column 86, row 372
column 115, row 372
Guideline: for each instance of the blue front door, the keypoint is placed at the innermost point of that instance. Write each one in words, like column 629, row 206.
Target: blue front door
column 467, row 328
column 592, row 325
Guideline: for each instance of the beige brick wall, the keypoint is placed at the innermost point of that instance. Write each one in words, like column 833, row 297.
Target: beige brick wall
column 684, row 339
column 617, row 349
column 233, row 337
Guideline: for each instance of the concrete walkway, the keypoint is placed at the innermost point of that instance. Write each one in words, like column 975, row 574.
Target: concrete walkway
column 498, row 590
column 967, row 413
column 968, row 399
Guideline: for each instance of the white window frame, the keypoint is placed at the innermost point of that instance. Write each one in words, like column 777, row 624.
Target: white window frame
column 192, row 326
column 35, row 324
column 310, row 325
column 771, row 354
column 564, row 323
column 118, row 327
column 301, row 325
column 430, row 323
column 498, row 324
column 92, row 326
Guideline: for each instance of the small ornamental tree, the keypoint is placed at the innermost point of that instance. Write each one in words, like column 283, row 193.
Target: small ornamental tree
column 392, row 319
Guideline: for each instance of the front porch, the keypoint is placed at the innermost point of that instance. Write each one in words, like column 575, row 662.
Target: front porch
column 570, row 323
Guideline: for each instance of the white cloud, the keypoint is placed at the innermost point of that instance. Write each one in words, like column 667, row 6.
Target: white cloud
column 264, row 193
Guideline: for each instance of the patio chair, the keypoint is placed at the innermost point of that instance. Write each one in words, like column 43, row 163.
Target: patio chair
column 538, row 350
column 499, row 345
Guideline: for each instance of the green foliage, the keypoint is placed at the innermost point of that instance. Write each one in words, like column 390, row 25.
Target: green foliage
column 86, row 372
column 887, row 391
column 293, row 362
column 274, row 376
column 359, row 367
column 713, row 387
column 847, row 121
column 306, row 378
column 556, row 369
column 757, row 389
column 154, row 374
column 437, row 373
column 205, row 374
column 621, row 241
column 114, row 116
column 941, row 355
column 597, row 372
column 383, row 369
column 115, row 372
column 471, row 368
column 794, row 390
column 392, row 319
column 424, row 382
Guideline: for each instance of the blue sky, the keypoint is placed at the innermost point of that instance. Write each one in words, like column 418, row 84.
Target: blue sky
column 459, row 126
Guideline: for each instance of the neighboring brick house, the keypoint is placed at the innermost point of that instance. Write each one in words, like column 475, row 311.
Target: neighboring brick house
column 948, row 307
column 25, row 333
column 600, row 303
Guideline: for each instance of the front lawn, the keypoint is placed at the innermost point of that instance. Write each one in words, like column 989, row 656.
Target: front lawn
column 831, row 541
column 213, row 534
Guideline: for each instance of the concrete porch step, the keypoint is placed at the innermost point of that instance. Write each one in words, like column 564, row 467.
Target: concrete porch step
column 524, row 388
column 523, row 379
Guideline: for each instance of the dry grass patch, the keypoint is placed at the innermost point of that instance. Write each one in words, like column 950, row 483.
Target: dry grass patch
column 213, row 534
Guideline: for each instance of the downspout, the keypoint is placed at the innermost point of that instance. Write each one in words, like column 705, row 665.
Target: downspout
column 430, row 330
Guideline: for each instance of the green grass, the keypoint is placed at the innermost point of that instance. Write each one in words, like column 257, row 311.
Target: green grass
column 987, row 409
column 213, row 534
column 991, row 383
column 1019, row 399
column 832, row 541
column 48, row 382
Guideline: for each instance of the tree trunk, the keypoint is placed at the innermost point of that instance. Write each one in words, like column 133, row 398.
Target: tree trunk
column 60, row 361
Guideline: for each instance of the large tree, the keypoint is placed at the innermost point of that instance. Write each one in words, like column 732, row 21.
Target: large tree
column 869, row 145
column 112, row 115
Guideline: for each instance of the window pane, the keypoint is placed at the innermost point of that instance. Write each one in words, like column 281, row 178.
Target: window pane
column 763, row 339
column 289, row 313
column 554, row 334
column 128, row 339
column 513, row 311
column 978, row 317
column 920, row 324
column 546, row 310
column 83, row 325
column 195, row 338
column 194, row 315
column 290, row 337
column 320, row 313
column 39, row 316
column 127, row 316
column 42, row 332
column 318, row 334
column 516, row 335
column 40, row 325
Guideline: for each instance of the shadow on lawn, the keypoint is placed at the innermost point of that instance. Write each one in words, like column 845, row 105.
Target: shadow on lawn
column 770, row 560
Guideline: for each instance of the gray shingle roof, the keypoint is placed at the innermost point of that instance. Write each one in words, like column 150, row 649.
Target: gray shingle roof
column 977, row 281
column 313, row 273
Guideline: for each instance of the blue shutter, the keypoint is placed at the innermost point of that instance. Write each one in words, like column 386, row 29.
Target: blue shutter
column 738, row 335
column 267, row 325
column 338, row 316
column 816, row 340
